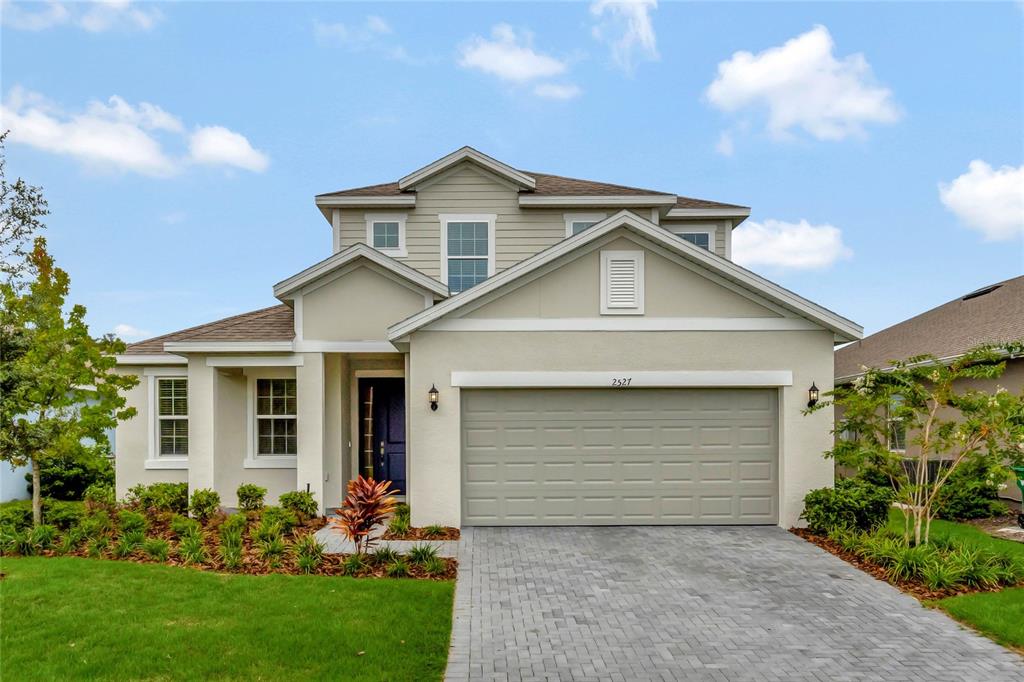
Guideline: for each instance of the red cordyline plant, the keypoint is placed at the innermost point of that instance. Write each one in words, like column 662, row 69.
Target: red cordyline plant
column 367, row 504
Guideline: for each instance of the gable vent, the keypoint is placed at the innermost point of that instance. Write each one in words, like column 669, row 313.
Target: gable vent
column 622, row 282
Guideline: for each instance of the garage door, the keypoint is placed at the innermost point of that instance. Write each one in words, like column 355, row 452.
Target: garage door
column 619, row 456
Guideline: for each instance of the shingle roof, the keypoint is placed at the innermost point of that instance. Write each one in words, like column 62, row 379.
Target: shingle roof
column 548, row 185
column 947, row 331
column 266, row 324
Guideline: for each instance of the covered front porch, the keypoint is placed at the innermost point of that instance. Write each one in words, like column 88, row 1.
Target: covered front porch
column 297, row 421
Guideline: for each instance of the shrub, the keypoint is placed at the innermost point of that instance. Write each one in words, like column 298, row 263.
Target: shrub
column 67, row 478
column 972, row 492
column 205, row 503
column 366, row 505
column 435, row 566
column 42, row 536
column 301, row 503
column 250, row 497
column 171, row 497
column 131, row 521
column 434, row 531
column 852, row 503
column 397, row 569
column 183, row 525
column 96, row 524
column 156, row 548
column 191, row 549
column 267, row 530
column 64, row 515
column 16, row 514
column 284, row 518
column 100, row 494
column 310, row 553
column 421, row 554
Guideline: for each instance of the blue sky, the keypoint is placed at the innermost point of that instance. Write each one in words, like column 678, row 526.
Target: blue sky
column 880, row 145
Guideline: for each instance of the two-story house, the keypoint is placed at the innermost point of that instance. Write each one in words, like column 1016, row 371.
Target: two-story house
column 509, row 348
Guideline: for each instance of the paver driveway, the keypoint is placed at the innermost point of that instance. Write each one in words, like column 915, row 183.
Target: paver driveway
column 693, row 603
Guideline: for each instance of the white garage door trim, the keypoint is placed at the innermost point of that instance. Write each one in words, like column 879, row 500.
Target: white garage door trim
column 623, row 379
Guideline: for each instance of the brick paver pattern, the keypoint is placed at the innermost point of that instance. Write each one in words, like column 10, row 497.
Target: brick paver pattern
column 693, row 603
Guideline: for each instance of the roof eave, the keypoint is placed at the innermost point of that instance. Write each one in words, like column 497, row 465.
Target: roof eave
column 404, row 200
column 653, row 200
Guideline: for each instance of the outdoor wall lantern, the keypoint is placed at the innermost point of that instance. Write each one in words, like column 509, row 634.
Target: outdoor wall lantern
column 812, row 395
column 433, row 396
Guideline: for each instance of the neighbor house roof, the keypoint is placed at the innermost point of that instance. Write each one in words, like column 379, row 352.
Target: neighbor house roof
column 266, row 324
column 545, row 184
column 992, row 314
column 843, row 328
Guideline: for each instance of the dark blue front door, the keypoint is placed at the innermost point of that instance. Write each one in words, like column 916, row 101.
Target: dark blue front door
column 383, row 421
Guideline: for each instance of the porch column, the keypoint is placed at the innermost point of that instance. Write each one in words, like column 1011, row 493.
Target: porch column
column 309, row 387
column 202, row 399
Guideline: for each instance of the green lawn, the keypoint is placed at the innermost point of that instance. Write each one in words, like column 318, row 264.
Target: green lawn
column 1000, row 615
column 73, row 618
column 963, row 532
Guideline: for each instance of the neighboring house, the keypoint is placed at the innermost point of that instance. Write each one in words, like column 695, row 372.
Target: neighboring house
column 511, row 348
column 992, row 314
column 12, row 482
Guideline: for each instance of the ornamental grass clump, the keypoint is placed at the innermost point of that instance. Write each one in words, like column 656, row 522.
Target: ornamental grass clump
column 398, row 568
column 157, row 549
column 354, row 564
column 434, row 531
column 230, row 549
column 384, row 555
column 129, row 520
column 435, row 566
column 309, row 554
column 285, row 518
column 191, row 549
column 183, row 525
column 272, row 551
column 421, row 554
column 70, row 541
column 42, row 536
column 366, row 506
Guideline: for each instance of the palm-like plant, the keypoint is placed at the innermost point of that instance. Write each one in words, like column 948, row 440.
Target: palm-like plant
column 366, row 505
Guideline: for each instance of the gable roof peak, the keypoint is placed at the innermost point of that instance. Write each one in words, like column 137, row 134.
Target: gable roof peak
column 467, row 153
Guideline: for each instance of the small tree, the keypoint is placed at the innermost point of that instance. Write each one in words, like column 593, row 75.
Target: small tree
column 59, row 389
column 22, row 207
column 947, row 424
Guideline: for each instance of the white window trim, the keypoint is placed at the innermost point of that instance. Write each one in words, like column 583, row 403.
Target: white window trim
column 710, row 230
column 489, row 218
column 638, row 258
column 399, row 218
column 571, row 218
column 154, row 459
column 252, row 460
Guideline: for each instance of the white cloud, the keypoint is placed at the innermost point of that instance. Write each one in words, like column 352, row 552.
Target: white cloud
column 128, row 332
column 988, row 200
column 121, row 136
column 626, row 27
column 368, row 36
column 788, row 246
column 725, row 145
column 803, row 85
column 94, row 17
column 556, row 91
column 216, row 145
column 510, row 56
column 174, row 217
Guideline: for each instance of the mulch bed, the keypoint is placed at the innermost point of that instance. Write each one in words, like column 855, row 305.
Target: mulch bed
column 913, row 588
column 332, row 564
column 422, row 534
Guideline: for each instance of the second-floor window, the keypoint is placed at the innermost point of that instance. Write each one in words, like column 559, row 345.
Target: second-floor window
column 386, row 233
column 468, row 251
column 172, row 416
column 578, row 222
column 703, row 239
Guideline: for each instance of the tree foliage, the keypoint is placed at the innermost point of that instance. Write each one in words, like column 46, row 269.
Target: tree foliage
column 60, row 388
column 22, row 207
column 947, row 423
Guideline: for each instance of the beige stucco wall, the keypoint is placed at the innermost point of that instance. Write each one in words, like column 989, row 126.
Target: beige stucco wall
column 466, row 188
column 572, row 290
column 131, row 441
column 358, row 306
column 435, row 487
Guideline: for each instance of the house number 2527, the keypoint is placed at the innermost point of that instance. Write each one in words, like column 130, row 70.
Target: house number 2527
column 621, row 382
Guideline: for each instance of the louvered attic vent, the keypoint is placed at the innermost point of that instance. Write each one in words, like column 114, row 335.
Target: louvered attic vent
column 622, row 282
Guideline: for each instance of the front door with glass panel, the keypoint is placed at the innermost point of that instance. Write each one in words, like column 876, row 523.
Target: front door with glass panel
column 382, row 430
